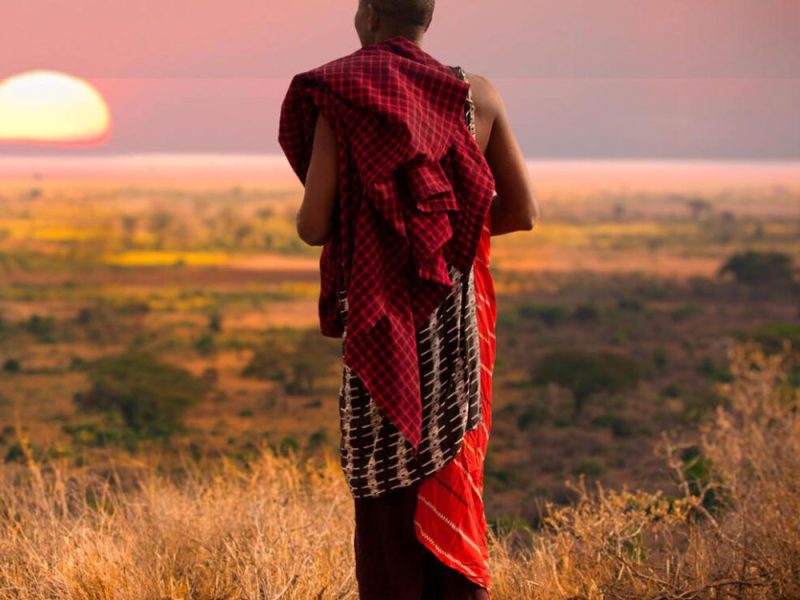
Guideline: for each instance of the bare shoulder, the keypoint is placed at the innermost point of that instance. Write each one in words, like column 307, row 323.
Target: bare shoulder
column 484, row 93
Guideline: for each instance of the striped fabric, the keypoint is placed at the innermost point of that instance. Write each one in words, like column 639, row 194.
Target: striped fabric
column 449, row 517
column 456, row 356
column 374, row 455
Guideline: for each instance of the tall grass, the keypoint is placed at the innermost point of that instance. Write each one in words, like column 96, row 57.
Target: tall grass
column 279, row 529
column 733, row 534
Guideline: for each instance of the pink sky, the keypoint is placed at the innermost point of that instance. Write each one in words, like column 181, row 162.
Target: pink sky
column 581, row 78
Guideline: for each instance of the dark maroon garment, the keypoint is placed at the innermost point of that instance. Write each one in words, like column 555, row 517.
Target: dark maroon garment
column 414, row 190
column 392, row 564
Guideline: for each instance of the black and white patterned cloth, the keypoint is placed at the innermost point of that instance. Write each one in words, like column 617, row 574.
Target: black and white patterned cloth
column 375, row 458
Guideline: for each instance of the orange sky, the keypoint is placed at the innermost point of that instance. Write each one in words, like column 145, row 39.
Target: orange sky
column 581, row 78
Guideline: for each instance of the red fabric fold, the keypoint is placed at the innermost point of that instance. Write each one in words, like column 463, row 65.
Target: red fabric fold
column 414, row 190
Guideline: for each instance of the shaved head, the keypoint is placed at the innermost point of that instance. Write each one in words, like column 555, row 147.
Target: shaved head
column 376, row 20
column 405, row 13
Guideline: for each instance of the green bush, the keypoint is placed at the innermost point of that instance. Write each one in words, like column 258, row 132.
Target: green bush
column 151, row 396
column 268, row 362
column 43, row 328
column 101, row 323
column 686, row 312
column 619, row 427
column 205, row 345
column 630, row 304
column 698, row 472
column 771, row 336
column 709, row 368
column 11, row 365
column 660, row 358
column 215, row 322
column 507, row 319
column 592, row 467
column 753, row 268
column 288, row 445
column 587, row 373
column 317, row 439
column 585, row 313
column 296, row 361
column 531, row 415
column 550, row 315
column 94, row 435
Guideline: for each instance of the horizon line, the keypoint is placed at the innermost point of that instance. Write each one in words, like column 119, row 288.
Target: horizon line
column 274, row 156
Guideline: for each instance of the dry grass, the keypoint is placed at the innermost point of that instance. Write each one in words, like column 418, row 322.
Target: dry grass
column 735, row 532
column 278, row 530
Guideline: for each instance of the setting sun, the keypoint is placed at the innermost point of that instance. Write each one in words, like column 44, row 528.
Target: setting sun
column 48, row 106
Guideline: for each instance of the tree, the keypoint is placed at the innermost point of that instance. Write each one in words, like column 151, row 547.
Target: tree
column 151, row 396
column 586, row 373
column 699, row 207
column 296, row 362
column 753, row 268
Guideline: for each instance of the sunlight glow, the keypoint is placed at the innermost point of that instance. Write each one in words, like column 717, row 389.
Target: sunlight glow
column 49, row 106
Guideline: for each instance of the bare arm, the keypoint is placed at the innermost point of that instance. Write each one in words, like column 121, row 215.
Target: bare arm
column 315, row 216
column 515, row 208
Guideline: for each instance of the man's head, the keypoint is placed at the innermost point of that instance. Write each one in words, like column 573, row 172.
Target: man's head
column 377, row 20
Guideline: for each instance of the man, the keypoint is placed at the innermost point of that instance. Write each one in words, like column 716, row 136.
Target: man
column 403, row 197
column 515, row 207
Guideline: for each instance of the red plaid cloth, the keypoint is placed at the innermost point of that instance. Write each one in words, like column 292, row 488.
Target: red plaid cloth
column 414, row 190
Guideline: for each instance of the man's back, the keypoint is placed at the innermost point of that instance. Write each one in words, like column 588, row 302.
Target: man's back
column 404, row 539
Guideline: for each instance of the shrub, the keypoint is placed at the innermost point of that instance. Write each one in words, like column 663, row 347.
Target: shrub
column 753, row 268
column 619, row 427
column 205, row 344
column 304, row 371
column 660, row 358
column 697, row 474
column 630, row 304
column 11, row 365
column 709, row 368
column 96, row 436
column 43, row 328
column 134, row 307
column 151, row 396
column 267, row 362
column 100, row 322
column 772, row 336
column 507, row 319
column 585, row 313
column 317, row 439
column 215, row 322
column 587, row 373
column 532, row 415
column 686, row 312
column 288, row 445
column 550, row 315
column 593, row 467
column 295, row 363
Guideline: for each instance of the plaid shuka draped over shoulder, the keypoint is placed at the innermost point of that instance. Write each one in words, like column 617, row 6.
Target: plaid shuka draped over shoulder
column 374, row 457
column 414, row 190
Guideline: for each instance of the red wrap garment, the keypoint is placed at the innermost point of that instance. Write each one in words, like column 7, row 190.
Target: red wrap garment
column 414, row 194
column 450, row 518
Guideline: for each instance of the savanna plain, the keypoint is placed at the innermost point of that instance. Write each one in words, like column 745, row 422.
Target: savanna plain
column 169, row 409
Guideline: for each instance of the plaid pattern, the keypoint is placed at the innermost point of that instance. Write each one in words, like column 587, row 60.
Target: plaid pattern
column 414, row 192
